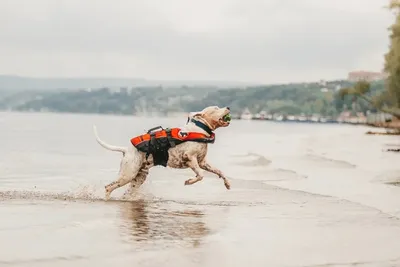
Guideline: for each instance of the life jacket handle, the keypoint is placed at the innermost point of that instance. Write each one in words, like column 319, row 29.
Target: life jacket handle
column 155, row 128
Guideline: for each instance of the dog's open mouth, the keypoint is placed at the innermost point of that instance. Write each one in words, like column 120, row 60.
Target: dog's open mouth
column 227, row 118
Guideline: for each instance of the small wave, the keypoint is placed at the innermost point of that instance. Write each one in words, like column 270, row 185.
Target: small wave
column 228, row 203
column 42, row 260
column 397, row 183
column 38, row 195
column 257, row 160
column 286, row 175
column 389, row 178
column 333, row 162
column 84, row 193
column 276, row 175
column 73, row 197
column 386, row 263
column 393, row 145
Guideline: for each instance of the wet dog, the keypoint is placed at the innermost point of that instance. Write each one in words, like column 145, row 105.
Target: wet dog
column 135, row 164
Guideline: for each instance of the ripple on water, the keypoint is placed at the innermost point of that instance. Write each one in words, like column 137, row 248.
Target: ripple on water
column 333, row 163
column 252, row 159
column 389, row 177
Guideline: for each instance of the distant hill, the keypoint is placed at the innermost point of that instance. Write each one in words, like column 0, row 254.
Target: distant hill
column 288, row 99
column 11, row 82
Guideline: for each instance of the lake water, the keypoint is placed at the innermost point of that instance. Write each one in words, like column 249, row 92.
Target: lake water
column 302, row 195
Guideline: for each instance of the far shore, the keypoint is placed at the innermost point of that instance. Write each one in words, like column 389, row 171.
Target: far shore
column 394, row 125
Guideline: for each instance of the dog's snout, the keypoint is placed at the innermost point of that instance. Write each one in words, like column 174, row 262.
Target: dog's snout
column 228, row 108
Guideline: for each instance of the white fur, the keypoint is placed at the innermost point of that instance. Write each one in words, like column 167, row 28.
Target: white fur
column 134, row 167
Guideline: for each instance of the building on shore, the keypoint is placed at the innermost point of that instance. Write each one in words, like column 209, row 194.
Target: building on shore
column 369, row 76
column 246, row 115
column 348, row 117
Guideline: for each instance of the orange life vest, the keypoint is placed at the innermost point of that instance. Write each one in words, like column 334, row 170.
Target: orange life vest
column 158, row 143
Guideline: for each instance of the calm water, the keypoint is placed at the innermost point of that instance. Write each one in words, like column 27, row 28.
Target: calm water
column 302, row 195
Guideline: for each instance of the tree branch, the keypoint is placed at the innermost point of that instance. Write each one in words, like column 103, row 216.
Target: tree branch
column 393, row 111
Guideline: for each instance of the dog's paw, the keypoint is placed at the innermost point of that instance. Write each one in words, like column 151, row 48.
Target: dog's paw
column 227, row 185
column 187, row 182
column 107, row 195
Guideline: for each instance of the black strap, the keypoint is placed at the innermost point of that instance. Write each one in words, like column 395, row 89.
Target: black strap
column 202, row 126
column 169, row 137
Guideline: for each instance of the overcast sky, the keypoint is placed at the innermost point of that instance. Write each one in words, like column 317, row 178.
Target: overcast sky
column 236, row 40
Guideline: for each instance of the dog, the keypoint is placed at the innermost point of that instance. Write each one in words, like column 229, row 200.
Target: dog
column 135, row 164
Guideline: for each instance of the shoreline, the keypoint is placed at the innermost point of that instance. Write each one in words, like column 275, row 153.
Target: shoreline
column 394, row 125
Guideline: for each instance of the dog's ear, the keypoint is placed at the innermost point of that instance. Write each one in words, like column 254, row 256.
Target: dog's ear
column 196, row 114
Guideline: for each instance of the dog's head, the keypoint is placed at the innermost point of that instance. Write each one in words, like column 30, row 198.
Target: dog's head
column 213, row 116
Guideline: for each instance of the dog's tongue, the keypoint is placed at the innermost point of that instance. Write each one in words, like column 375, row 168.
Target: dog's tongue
column 227, row 117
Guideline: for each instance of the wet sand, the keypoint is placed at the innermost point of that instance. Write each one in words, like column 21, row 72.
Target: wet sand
column 303, row 199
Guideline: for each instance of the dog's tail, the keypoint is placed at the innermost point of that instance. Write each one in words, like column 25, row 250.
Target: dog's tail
column 107, row 146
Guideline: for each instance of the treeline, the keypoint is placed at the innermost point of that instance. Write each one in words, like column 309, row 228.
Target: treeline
column 289, row 99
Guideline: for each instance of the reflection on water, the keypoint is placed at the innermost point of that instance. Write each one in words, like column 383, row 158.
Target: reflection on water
column 146, row 222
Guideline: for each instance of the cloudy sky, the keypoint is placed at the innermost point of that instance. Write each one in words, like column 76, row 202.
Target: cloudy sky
column 233, row 40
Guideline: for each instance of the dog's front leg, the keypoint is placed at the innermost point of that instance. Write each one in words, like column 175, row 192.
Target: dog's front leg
column 207, row 167
column 194, row 165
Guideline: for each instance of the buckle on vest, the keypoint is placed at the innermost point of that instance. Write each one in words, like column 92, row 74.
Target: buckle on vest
column 169, row 137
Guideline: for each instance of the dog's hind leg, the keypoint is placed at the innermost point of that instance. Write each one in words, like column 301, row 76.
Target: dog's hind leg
column 194, row 165
column 140, row 177
column 121, row 181
column 129, row 169
column 138, row 180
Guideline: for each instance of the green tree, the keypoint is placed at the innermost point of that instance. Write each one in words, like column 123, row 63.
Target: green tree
column 392, row 62
column 389, row 100
column 382, row 102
